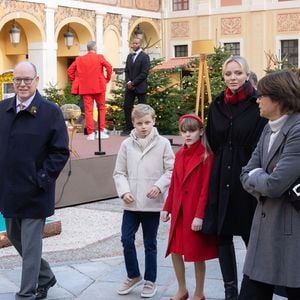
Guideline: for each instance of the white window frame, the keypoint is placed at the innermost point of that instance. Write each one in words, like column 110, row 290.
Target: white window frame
column 180, row 43
column 234, row 40
column 169, row 13
column 280, row 38
column 275, row 4
column 189, row 4
column 174, row 51
column 245, row 6
column 251, row 5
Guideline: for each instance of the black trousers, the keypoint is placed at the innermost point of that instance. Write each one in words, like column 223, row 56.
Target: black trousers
column 224, row 240
column 128, row 105
column 255, row 290
column 227, row 258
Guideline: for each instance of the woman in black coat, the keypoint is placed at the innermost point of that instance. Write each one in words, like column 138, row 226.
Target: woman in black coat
column 233, row 129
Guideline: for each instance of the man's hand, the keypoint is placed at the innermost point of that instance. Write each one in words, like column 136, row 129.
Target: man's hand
column 130, row 86
column 128, row 198
column 154, row 192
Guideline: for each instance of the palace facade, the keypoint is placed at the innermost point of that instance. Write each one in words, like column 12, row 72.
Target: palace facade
column 250, row 28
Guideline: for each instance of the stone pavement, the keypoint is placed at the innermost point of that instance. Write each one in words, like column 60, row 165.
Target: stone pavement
column 94, row 271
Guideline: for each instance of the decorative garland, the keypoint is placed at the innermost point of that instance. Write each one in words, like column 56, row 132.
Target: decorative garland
column 5, row 77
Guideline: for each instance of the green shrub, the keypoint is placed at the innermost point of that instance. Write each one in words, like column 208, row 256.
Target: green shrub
column 169, row 101
column 60, row 96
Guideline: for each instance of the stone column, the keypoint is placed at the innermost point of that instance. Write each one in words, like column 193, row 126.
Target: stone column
column 124, row 41
column 37, row 54
column 50, row 51
column 99, row 32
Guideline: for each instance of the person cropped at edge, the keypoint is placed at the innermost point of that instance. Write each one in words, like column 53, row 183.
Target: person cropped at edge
column 185, row 205
column 142, row 176
column 87, row 72
column 34, row 149
column 136, row 73
column 274, row 244
column 233, row 129
column 253, row 79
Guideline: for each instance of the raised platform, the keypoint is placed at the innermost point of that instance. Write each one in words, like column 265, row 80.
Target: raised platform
column 88, row 177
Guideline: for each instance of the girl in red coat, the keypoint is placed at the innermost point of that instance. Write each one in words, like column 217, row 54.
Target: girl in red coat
column 186, row 203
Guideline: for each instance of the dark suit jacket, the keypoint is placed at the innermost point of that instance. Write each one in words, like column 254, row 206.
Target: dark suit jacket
column 34, row 149
column 137, row 72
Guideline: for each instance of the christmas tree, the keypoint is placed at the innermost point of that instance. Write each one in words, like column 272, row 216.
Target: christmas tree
column 161, row 95
column 190, row 82
column 170, row 101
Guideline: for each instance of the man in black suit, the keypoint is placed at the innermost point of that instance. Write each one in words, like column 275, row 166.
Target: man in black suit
column 34, row 149
column 136, row 73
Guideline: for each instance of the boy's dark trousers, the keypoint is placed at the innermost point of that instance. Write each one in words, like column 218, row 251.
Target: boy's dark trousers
column 130, row 224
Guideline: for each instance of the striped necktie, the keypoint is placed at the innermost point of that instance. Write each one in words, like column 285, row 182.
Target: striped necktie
column 21, row 106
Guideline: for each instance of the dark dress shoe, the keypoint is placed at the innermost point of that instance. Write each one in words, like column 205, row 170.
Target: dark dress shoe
column 42, row 290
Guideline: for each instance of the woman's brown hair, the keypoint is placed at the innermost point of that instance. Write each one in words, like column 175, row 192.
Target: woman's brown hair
column 282, row 87
column 191, row 123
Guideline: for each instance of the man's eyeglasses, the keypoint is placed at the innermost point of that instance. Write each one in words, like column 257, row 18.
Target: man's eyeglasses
column 26, row 80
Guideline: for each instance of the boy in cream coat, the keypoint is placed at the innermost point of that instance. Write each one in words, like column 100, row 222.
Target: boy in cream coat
column 142, row 176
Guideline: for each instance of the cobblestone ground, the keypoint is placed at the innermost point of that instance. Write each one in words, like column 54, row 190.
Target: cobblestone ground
column 87, row 258
column 89, row 231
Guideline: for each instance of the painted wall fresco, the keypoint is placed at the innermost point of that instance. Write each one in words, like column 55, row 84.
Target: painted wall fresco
column 34, row 9
column 231, row 26
column 231, row 2
column 109, row 2
column 65, row 12
column 127, row 3
column 115, row 20
column 151, row 5
column 180, row 29
column 288, row 22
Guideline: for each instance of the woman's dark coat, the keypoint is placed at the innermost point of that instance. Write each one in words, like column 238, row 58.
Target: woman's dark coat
column 34, row 149
column 233, row 132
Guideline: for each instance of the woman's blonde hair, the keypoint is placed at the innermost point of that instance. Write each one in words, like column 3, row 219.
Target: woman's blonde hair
column 239, row 60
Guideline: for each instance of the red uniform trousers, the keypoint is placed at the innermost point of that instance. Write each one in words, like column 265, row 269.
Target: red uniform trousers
column 88, row 101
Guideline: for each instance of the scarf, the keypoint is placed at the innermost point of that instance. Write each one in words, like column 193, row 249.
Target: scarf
column 144, row 142
column 244, row 92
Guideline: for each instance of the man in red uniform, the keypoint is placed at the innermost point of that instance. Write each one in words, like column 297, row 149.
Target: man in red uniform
column 92, row 81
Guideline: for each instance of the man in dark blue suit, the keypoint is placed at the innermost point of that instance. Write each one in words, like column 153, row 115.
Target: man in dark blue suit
column 136, row 73
column 34, row 149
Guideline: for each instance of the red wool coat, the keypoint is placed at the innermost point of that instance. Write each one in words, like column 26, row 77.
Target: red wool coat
column 186, row 200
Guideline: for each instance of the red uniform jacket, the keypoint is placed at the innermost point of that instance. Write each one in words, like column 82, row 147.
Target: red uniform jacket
column 89, row 69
